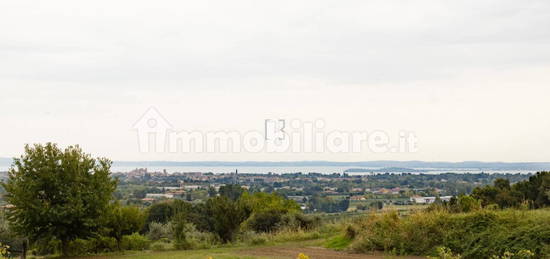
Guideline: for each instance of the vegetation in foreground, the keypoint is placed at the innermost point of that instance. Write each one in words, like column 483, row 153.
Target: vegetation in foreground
column 479, row 234
column 62, row 203
column 501, row 220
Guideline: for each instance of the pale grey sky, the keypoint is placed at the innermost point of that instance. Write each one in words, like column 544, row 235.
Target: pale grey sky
column 470, row 78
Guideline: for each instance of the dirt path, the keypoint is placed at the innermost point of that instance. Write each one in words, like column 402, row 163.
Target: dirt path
column 312, row 252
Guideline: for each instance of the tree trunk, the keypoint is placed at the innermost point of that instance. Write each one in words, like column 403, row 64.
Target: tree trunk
column 65, row 248
column 24, row 252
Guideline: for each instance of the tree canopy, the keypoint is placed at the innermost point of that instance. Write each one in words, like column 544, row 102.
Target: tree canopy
column 534, row 192
column 58, row 194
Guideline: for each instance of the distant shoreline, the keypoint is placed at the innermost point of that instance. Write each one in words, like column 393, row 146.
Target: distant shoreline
column 416, row 165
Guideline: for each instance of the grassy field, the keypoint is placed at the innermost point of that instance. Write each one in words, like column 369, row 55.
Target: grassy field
column 231, row 252
column 312, row 248
column 215, row 253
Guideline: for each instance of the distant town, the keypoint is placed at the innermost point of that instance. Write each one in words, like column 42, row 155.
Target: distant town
column 314, row 192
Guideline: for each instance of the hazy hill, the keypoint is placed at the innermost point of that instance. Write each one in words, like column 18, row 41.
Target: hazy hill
column 371, row 164
column 363, row 164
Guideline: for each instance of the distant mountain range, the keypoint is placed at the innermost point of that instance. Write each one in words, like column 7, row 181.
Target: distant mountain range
column 368, row 164
column 365, row 164
column 384, row 170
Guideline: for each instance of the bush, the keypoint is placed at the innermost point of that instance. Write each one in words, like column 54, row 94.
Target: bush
column 265, row 221
column 307, row 222
column 159, row 212
column 104, row 244
column 444, row 253
column 160, row 246
column 224, row 217
column 350, row 232
column 46, row 247
column 298, row 221
column 478, row 234
column 188, row 237
column 158, row 231
column 123, row 220
column 135, row 242
column 9, row 238
column 79, row 247
column 258, row 240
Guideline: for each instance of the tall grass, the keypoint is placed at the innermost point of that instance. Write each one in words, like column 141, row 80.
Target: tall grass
column 290, row 234
column 479, row 234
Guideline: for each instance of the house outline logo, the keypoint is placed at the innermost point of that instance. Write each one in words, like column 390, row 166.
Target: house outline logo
column 152, row 131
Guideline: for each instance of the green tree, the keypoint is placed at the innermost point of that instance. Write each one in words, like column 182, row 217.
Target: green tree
column 266, row 210
column 225, row 217
column 58, row 194
column 536, row 190
column 467, row 203
column 123, row 220
column 262, row 201
column 231, row 191
column 160, row 212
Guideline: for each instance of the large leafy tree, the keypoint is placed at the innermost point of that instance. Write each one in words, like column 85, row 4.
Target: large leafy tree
column 58, row 194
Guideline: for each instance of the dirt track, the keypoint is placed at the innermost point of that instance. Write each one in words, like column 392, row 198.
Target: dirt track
column 312, row 252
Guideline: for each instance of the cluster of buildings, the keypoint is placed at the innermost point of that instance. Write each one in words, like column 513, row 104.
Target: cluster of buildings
column 295, row 186
column 429, row 200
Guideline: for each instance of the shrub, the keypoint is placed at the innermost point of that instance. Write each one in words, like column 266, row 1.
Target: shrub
column 135, row 242
column 258, row 240
column 225, row 217
column 104, row 244
column 79, row 247
column 307, row 222
column 160, row 212
column 299, row 221
column 444, row 253
column 158, row 231
column 188, row 237
column 123, row 220
column 160, row 246
column 11, row 241
column 478, row 234
column 265, row 221
column 467, row 203
column 46, row 247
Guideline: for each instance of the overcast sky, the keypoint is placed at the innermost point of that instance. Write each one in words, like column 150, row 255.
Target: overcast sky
column 470, row 78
